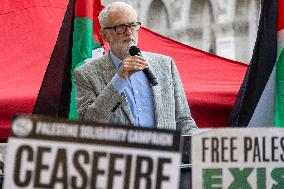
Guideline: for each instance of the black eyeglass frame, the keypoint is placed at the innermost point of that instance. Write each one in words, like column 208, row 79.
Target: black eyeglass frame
column 133, row 24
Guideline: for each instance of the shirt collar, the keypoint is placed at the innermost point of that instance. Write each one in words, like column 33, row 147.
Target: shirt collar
column 117, row 62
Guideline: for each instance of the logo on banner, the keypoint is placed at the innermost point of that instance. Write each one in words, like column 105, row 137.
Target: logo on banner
column 22, row 127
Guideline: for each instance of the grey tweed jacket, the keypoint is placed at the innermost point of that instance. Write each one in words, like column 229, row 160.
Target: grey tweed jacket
column 97, row 100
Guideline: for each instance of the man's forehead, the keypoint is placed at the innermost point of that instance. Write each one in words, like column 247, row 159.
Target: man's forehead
column 121, row 16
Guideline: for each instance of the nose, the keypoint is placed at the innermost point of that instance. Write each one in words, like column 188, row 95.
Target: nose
column 128, row 31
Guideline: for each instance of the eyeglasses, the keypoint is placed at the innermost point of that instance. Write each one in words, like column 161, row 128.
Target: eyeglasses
column 120, row 29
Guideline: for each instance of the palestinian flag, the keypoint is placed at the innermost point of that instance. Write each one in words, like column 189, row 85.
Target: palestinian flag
column 86, row 40
column 260, row 101
column 76, row 44
column 54, row 94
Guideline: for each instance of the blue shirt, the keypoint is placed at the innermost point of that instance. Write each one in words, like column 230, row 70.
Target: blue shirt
column 138, row 93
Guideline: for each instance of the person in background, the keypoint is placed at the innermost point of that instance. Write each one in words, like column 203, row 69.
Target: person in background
column 114, row 88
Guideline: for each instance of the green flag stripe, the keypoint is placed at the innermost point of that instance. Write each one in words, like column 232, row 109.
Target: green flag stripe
column 83, row 44
column 73, row 114
column 279, row 112
column 83, row 40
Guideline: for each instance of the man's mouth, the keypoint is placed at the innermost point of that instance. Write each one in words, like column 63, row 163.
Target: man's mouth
column 128, row 41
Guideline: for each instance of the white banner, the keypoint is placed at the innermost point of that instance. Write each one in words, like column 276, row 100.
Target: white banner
column 44, row 153
column 238, row 158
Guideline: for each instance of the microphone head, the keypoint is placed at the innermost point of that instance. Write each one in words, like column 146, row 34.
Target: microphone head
column 134, row 50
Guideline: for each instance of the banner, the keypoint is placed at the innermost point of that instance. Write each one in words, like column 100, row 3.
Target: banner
column 47, row 153
column 238, row 158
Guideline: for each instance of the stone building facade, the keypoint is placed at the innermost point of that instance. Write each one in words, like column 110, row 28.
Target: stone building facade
column 223, row 27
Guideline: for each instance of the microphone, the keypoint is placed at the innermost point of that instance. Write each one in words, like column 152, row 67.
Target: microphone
column 149, row 74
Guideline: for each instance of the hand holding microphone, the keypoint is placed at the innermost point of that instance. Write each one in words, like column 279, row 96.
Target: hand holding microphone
column 131, row 65
column 134, row 64
column 149, row 74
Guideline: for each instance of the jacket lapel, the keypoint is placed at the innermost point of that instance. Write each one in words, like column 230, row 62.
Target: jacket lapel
column 108, row 69
column 108, row 73
column 156, row 95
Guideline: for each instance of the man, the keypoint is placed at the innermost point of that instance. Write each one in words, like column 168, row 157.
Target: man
column 114, row 89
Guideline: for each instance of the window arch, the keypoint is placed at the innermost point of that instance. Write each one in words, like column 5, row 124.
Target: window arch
column 201, row 25
column 158, row 17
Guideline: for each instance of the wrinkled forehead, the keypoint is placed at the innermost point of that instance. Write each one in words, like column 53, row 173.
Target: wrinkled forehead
column 122, row 16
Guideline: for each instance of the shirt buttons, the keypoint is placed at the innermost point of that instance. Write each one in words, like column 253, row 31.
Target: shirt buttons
column 136, row 92
column 139, row 110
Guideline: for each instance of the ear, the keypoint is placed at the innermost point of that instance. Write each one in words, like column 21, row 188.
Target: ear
column 104, row 35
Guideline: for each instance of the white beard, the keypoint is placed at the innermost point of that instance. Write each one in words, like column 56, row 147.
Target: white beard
column 122, row 51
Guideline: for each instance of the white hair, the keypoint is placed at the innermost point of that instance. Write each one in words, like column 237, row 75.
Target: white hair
column 104, row 14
